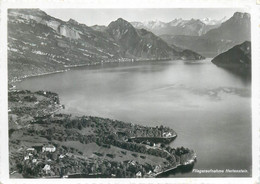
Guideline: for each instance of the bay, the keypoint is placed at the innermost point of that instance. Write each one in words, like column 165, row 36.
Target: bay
column 208, row 107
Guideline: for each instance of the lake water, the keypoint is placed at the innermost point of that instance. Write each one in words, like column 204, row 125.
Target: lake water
column 208, row 107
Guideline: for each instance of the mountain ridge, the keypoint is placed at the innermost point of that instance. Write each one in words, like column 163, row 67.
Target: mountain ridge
column 39, row 43
column 230, row 33
column 192, row 27
column 237, row 59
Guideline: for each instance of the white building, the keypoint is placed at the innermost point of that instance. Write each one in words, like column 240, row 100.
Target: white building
column 47, row 168
column 48, row 148
column 61, row 156
column 132, row 162
column 167, row 134
column 139, row 174
column 30, row 149
column 157, row 169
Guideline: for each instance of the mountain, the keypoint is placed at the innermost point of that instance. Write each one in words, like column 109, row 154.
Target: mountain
column 139, row 42
column 39, row 43
column 205, row 46
column 149, row 24
column 192, row 27
column 236, row 59
column 237, row 29
column 210, row 21
column 230, row 33
column 98, row 28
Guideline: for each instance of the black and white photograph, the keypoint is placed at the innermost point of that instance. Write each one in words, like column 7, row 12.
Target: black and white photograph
column 129, row 93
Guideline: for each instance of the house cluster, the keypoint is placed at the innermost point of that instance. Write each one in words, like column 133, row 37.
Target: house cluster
column 30, row 152
column 151, row 173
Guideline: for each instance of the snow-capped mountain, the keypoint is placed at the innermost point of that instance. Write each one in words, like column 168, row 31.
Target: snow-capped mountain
column 154, row 24
column 210, row 21
column 179, row 26
column 177, row 22
column 231, row 32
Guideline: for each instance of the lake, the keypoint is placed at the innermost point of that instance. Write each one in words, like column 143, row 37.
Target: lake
column 208, row 107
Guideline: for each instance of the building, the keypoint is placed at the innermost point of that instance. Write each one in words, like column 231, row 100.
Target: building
column 47, row 168
column 30, row 149
column 113, row 175
column 139, row 174
column 50, row 148
column 167, row 134
column 61, row 156
column 132, row 162
column 157, row 169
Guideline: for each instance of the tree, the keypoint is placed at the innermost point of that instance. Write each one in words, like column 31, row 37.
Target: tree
column 162, row 145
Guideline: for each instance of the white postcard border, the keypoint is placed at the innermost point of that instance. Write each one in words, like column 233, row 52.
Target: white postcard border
column 251, row 5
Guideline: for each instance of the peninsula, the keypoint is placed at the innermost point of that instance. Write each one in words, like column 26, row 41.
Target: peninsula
column 46, row 143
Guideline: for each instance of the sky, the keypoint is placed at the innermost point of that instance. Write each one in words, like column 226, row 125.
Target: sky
column 105, row 16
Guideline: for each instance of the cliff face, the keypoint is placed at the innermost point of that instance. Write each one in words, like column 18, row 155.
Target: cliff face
column 236, row 59
column 39, row 43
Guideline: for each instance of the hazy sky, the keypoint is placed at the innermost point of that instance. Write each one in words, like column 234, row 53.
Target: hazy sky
column 105, row 16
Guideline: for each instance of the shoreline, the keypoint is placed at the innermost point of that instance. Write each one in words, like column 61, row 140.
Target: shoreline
column 36, row 75
column 69, row 67
column 120, row 142
column 188, row 163
column 166, row 140
column 154, row 175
